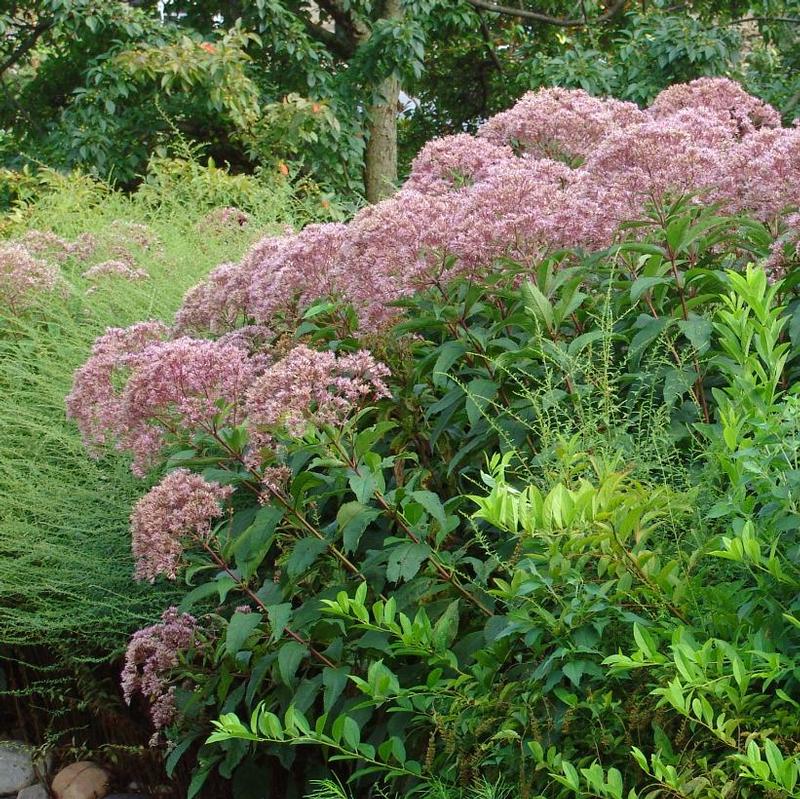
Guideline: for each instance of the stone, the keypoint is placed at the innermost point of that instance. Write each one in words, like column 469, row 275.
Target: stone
column 37, row 791
column 16, row 767
column 81, row 780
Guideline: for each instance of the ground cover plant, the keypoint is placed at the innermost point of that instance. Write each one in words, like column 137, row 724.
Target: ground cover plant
column 490, row 490
column 75, row 258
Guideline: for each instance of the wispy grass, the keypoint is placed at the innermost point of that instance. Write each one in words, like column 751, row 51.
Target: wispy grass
column 65, row 564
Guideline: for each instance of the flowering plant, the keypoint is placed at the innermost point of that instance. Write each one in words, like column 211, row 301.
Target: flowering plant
column 557, row 269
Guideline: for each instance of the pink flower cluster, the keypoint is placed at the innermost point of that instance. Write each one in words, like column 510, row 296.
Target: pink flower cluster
column 180, row 507
column 221, row 220
column 559, row 169
column 276, row 277
column 152, row 655
column 23, row 278
column 168, row 386
column 121, row 269
column 560, row 123
column 454, row 162
column 721, row 98
column 123, row 234
column 46, row 244
column 311, row 387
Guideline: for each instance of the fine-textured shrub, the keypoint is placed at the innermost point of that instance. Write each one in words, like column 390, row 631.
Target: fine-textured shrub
column 67, row 601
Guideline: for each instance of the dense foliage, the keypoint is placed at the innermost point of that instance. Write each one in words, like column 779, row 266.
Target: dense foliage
column 99, row 84
column 491, row 489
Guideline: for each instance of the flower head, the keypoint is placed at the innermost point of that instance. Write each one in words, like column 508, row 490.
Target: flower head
column 152, row 655
column 23, row 277
column 95, row 402
column 309, row 387
column 723, row 98
column 453, row 162
column 122, row 269
column 168, row 386
column 560, row 123
column 181, row 506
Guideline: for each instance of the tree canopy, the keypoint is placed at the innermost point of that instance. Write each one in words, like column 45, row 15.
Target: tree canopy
column 104, row 85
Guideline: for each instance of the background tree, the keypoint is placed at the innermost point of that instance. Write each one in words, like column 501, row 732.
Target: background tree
column 105, row 84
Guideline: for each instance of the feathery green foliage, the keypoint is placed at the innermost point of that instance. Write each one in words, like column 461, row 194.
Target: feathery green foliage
column 65, row 564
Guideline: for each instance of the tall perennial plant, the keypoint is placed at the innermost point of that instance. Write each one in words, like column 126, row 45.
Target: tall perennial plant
column 542, row 295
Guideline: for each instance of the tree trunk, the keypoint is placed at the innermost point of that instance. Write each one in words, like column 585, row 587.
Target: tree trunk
column 380, row 159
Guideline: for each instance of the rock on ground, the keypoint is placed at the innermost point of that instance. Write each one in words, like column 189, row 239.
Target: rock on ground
column 37, row 791
column 16, row 767
column 82, row 780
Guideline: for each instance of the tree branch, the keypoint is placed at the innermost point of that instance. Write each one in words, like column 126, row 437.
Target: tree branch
column 337, row 44
column 536, row 16
column 29, row 43
column 487, row 37
column 742, row 20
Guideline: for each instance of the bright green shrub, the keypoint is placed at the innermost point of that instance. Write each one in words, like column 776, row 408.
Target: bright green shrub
column 597, row 646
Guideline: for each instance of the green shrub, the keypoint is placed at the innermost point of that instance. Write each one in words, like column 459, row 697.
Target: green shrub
column 493, row 580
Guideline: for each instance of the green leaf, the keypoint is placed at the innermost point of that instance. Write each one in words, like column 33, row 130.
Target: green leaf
column 178, row 751
column 290, row 655
column 224, row 584
column 364, row 483
column 353, row 518
column 432, row 504
column 446, row 627
column 259, row 671
column 305, row 552
column 278, row 616
column 334, row 681
column 584, row 340
column 572, row 775
column 537, row 304
column 239, row 628
column 250, row 548
column 202, row 591
column 698, row 331
column 367, row 438
column 574, row 671
column 450, row 352
column 199, row 778
column 351, row 732
column 644, row 284
column 676, row 383
column 405, row 560
column 650, row 331
column 480, row 392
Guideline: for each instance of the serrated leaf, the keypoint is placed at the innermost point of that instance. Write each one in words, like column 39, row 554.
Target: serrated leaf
column 432, row 504
column 334, row 681
column 239, row 628
column 645, row 284
column 676, row 383
column 405, row 561
column 290, row 655
column 353, row 519
column 698, row 331
column 253, row 544
column 278, row 617
column 305, row 552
